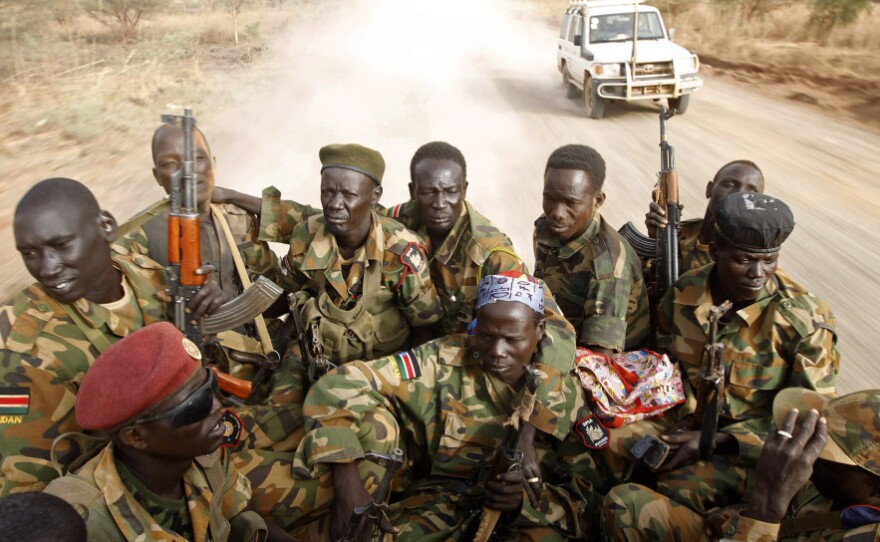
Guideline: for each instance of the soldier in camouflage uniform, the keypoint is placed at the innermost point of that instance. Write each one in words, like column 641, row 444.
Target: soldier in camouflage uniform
column 696, row 234
column 817, row 479
column 593, row 272
column 160, row 476
column 147, row 234
column 451, row 397
column 777, row 335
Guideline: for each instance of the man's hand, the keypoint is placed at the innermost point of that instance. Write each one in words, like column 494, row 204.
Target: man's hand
column 686, row 446
column 530, row 469
column 785, row 465
column 348, row 494
column 505, row 492
column 655, row 219
column 251, row 204
column 208, row 299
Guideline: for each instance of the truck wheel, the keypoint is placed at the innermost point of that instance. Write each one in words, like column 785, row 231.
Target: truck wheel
column 594, row 103
column 680, row 104
column 568, row 88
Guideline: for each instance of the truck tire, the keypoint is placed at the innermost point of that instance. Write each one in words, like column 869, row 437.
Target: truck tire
column 594, row 103
column 680, row 104
column 568, row 88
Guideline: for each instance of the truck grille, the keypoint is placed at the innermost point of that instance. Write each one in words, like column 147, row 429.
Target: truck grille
column 654, row 69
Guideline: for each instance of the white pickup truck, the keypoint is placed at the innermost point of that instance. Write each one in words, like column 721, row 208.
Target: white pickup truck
column 598, row 56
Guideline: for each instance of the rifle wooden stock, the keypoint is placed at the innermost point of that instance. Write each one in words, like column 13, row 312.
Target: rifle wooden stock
column 190, row 251
column 231, row 385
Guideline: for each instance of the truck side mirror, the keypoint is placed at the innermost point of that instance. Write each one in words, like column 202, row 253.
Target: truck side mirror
column 578, row 40
column 587, row 54
column 671, row 34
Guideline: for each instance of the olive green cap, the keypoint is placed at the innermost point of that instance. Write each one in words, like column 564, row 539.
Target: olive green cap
column 354, row 157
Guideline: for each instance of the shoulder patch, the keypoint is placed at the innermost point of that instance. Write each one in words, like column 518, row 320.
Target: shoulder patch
column 593, row 433
column 405, row 366
column 232, row 427
column 14, row 402
column 413, row 256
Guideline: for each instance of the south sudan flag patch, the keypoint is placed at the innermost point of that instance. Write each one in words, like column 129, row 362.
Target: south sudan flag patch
column 14, row 401
column 406, row 366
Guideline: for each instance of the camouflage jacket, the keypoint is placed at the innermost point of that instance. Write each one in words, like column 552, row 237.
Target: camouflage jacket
column 279, row 217
column 215, row 492
column 452, row 413
column 43, row 359
column 692, row 252
column 474, row 248
column 806, row 505
column 147, row 234
column 314, row 265
column 786, row 338
column 597, row 280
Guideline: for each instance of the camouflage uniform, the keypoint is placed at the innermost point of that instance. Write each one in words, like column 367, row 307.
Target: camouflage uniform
column 279, row 217
column 450, row 413
column 597, row 281
column 475, row 248
column 692, row 253
column 216, row 497
column 786, row 338
column 45, row 355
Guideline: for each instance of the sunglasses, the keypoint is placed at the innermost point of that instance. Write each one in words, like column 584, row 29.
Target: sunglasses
column 194, row 408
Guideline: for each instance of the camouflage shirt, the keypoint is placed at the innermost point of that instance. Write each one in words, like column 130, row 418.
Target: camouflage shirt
column 598, row 284
column 693, row 254
column 786, row 338
column 279, row 217
column 211, row 486
column 452, row 413
column 475, row 248
column 43, row 359
column 147, row 234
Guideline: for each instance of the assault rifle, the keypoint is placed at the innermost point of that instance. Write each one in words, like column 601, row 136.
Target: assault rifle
column 663, row 251
column 713, row 378
column 364, row 519
column 184, row 259
column 509, row 457
column 309, row 343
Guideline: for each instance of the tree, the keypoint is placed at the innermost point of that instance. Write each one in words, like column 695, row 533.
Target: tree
column 236, row 9
column 826, row 14
column 124, row 13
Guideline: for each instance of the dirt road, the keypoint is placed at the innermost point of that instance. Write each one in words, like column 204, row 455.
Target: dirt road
column 393, row 74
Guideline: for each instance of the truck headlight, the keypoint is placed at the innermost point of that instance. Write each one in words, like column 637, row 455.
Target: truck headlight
column 689, row 64
column 608, row 70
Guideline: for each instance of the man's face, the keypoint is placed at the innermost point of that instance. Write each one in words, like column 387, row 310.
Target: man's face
column 506, row 337
column 731, row 180
column 570, row 202
column 65, row 248
column 439, row 191
column 742, row 275
column 168, row 159
column 187, row 441
column 347, row 198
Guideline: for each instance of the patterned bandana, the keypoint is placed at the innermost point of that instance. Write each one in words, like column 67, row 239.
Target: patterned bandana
column 506, row 287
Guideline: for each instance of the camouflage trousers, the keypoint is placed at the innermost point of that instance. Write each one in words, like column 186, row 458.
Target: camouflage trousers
column 634, row 513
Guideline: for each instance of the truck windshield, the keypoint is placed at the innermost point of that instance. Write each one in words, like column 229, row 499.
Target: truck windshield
column 619, row 27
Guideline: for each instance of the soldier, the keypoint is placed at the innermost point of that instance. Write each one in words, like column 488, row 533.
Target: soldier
column 777, row 335
column 161, row 475
column 452, row 398
column 221, row 227
column 817, row 479
column 39, row 517
column 593, row 272
column 84, row 300
column 697, row 234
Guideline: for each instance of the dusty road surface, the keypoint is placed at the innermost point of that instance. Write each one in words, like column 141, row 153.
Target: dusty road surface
column 393, row 74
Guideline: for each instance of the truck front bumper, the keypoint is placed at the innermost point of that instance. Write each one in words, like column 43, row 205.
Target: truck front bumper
column 625, row 88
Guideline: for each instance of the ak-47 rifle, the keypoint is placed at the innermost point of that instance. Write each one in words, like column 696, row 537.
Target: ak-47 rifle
column 509, row 458
column 713, row 378
column 309, row 341
column 184, row 259
column 365, row 519
column 663, row 251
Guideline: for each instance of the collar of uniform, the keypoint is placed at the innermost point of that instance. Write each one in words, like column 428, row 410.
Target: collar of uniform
column 695, row 292
column 449, row 246
column 323, row 250
column 575, row 245
column 129, row 516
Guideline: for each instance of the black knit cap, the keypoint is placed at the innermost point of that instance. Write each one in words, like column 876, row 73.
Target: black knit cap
column 753, row 222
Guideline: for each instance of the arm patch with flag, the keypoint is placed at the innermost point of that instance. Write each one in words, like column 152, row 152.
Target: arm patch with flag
column 406, row 366
column 15, row 401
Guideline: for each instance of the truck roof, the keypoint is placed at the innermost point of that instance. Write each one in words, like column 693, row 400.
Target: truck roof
column 606, row 7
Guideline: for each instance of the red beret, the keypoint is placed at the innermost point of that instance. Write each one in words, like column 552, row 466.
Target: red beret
column 134, row 374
